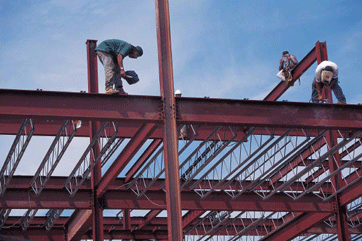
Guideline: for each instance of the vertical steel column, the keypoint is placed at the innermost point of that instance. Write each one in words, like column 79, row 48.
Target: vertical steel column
column 173, row 196
column 94, row 127
column 341, row 211
column 342, row 225
column 321, row 52
column 126, row 219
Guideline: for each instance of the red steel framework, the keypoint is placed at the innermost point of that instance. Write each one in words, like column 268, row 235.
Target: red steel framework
column 258, row 170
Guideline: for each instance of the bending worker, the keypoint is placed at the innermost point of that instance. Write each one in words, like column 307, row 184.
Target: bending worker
column 111, row 54
column 327, row 74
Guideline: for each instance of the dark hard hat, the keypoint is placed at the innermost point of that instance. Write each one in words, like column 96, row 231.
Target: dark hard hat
column 139, row 50
column 285, row 52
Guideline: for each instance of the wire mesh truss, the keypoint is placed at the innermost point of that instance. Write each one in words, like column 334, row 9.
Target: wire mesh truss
column 326, row 237
column 52, row 215
column 53, row 156
column 47, row 167
column 261, row 160
column 27, row 218
column 154, row 168
column 354, row 214
column 108, row 144
column 264, row 161
column 236, row 225
column 4, row 214
column 199, row 158
column 15, row 154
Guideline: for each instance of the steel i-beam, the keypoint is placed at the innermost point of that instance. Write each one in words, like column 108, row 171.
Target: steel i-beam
column 173, row 193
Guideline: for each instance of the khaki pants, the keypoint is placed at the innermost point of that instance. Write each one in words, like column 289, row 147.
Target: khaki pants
column 111, row 70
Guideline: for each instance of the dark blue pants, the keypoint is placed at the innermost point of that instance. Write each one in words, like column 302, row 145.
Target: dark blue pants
column 337, row 90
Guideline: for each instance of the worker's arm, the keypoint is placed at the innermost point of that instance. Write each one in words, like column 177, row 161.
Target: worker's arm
column 120, row 64
column 280, row 65
column 333, row 82
column 319, row 90
column 294, row 59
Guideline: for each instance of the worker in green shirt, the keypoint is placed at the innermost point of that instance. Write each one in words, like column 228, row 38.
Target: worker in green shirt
column 111, row 53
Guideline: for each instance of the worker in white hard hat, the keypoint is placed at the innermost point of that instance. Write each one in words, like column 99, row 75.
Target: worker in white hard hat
column 327, row 74
column 183, row 129
column 178, row 93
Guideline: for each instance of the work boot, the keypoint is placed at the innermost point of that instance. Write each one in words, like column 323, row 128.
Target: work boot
column 112, row 91
column 121, row 91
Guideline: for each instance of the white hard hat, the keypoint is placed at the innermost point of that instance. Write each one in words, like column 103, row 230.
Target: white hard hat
column 178, row 92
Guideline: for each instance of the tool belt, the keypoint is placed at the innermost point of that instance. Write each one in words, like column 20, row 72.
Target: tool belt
column 288, row 76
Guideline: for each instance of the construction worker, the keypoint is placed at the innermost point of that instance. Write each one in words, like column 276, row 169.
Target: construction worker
column 183, row 128
column 286, row 64
column 326, row 74
column 111, row 54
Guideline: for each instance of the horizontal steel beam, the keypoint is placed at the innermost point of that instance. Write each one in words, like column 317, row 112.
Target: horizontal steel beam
column 29, row 235
column 271, row 114
column 73, row 106
column 160, row 223
column 300, row 226
column 129, row 129
column 53, row 199
column 23, row 182
column 84, row 106
column 60, row 235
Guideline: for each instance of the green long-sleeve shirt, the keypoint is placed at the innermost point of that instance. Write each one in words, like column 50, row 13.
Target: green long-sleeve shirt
column 115, row 47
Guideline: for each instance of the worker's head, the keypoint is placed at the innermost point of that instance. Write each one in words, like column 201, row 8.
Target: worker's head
column 327, row 74
column 137, row 52
column 285, row 52
column 178, row 93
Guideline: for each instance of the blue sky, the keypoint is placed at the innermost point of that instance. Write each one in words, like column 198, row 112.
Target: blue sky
column 221, row 49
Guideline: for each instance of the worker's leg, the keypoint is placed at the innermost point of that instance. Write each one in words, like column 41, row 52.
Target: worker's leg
column 337, row 90
column 109, row 68
column 280, row 75
column 118, row 78
column 314, row 92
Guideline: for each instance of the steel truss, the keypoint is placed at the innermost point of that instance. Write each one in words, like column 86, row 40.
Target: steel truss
column 84, row 166
column 16, row 152
column 261, row 160
column 244, row 173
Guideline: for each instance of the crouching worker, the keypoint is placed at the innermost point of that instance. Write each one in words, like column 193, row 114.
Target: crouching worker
column 111, row 54
column 327, row 74
column 286, row 64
